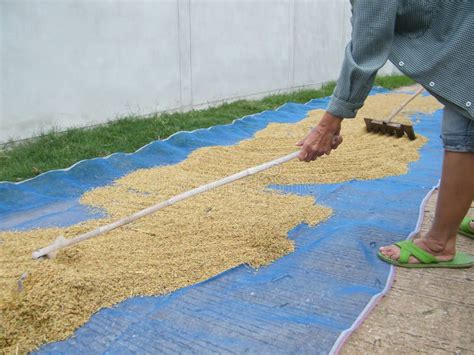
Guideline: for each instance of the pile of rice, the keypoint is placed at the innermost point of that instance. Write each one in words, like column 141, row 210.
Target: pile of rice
column 245, row 222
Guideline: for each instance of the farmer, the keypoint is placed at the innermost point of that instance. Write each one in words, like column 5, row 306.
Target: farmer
column 432, row 43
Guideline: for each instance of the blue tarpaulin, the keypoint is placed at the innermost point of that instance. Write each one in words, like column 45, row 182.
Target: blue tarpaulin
column 304, row 302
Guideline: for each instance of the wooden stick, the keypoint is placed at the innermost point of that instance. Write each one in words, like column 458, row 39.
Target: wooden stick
column 403, row 105
column 61, row 242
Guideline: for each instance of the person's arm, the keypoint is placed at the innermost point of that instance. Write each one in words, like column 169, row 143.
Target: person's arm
column 373, row 28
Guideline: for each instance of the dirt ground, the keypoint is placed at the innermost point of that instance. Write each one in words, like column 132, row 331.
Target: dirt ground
column 427, row 311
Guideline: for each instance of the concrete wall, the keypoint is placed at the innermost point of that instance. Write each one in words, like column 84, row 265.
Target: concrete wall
column 80, row 62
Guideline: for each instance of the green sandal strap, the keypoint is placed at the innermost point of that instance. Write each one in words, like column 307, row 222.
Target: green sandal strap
column 408, row 248
column 465, row 227
column 404, row 254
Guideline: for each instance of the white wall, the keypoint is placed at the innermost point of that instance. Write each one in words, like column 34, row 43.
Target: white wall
column 68, row 63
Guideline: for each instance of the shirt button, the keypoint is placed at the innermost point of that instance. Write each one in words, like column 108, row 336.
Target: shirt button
column 432, row 84
column 468, row 104
column 401, row 63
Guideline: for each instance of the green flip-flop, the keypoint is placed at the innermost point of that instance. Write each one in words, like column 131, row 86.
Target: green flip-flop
column 408, row 248
column 465, row 229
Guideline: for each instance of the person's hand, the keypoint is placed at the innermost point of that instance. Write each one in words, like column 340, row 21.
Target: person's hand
column 322, row 139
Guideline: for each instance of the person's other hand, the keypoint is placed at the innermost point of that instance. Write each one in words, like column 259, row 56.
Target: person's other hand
column 322, row 139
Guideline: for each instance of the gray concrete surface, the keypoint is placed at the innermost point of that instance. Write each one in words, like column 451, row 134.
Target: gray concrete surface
column 427, row 311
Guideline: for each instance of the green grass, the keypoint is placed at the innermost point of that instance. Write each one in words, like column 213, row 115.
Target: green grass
column 56, row 150
column 394, row 81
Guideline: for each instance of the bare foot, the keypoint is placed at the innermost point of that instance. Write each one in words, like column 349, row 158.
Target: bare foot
column 442, row 253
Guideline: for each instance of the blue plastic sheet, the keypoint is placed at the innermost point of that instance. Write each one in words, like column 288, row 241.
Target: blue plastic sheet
column 300, row 303
column 52, row 199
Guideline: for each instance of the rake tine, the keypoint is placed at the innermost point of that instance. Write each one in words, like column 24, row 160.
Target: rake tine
column 390, row 130
column 376, row 126
column 368, row 124
column 408, row 129
column 399, row 132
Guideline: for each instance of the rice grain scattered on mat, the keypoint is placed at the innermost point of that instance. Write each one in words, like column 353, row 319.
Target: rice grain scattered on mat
column 44, row 301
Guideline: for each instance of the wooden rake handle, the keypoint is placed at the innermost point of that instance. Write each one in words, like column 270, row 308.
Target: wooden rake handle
column 403, row 105
column 61, row 242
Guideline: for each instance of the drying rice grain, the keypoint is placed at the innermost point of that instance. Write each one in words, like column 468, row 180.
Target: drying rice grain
column 189, row 242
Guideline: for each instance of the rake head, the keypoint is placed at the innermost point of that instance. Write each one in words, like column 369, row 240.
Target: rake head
column 392, row 129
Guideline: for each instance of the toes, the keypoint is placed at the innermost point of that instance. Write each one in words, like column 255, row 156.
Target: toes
column 393, row 255
column 389, row 251
column 393, row 252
